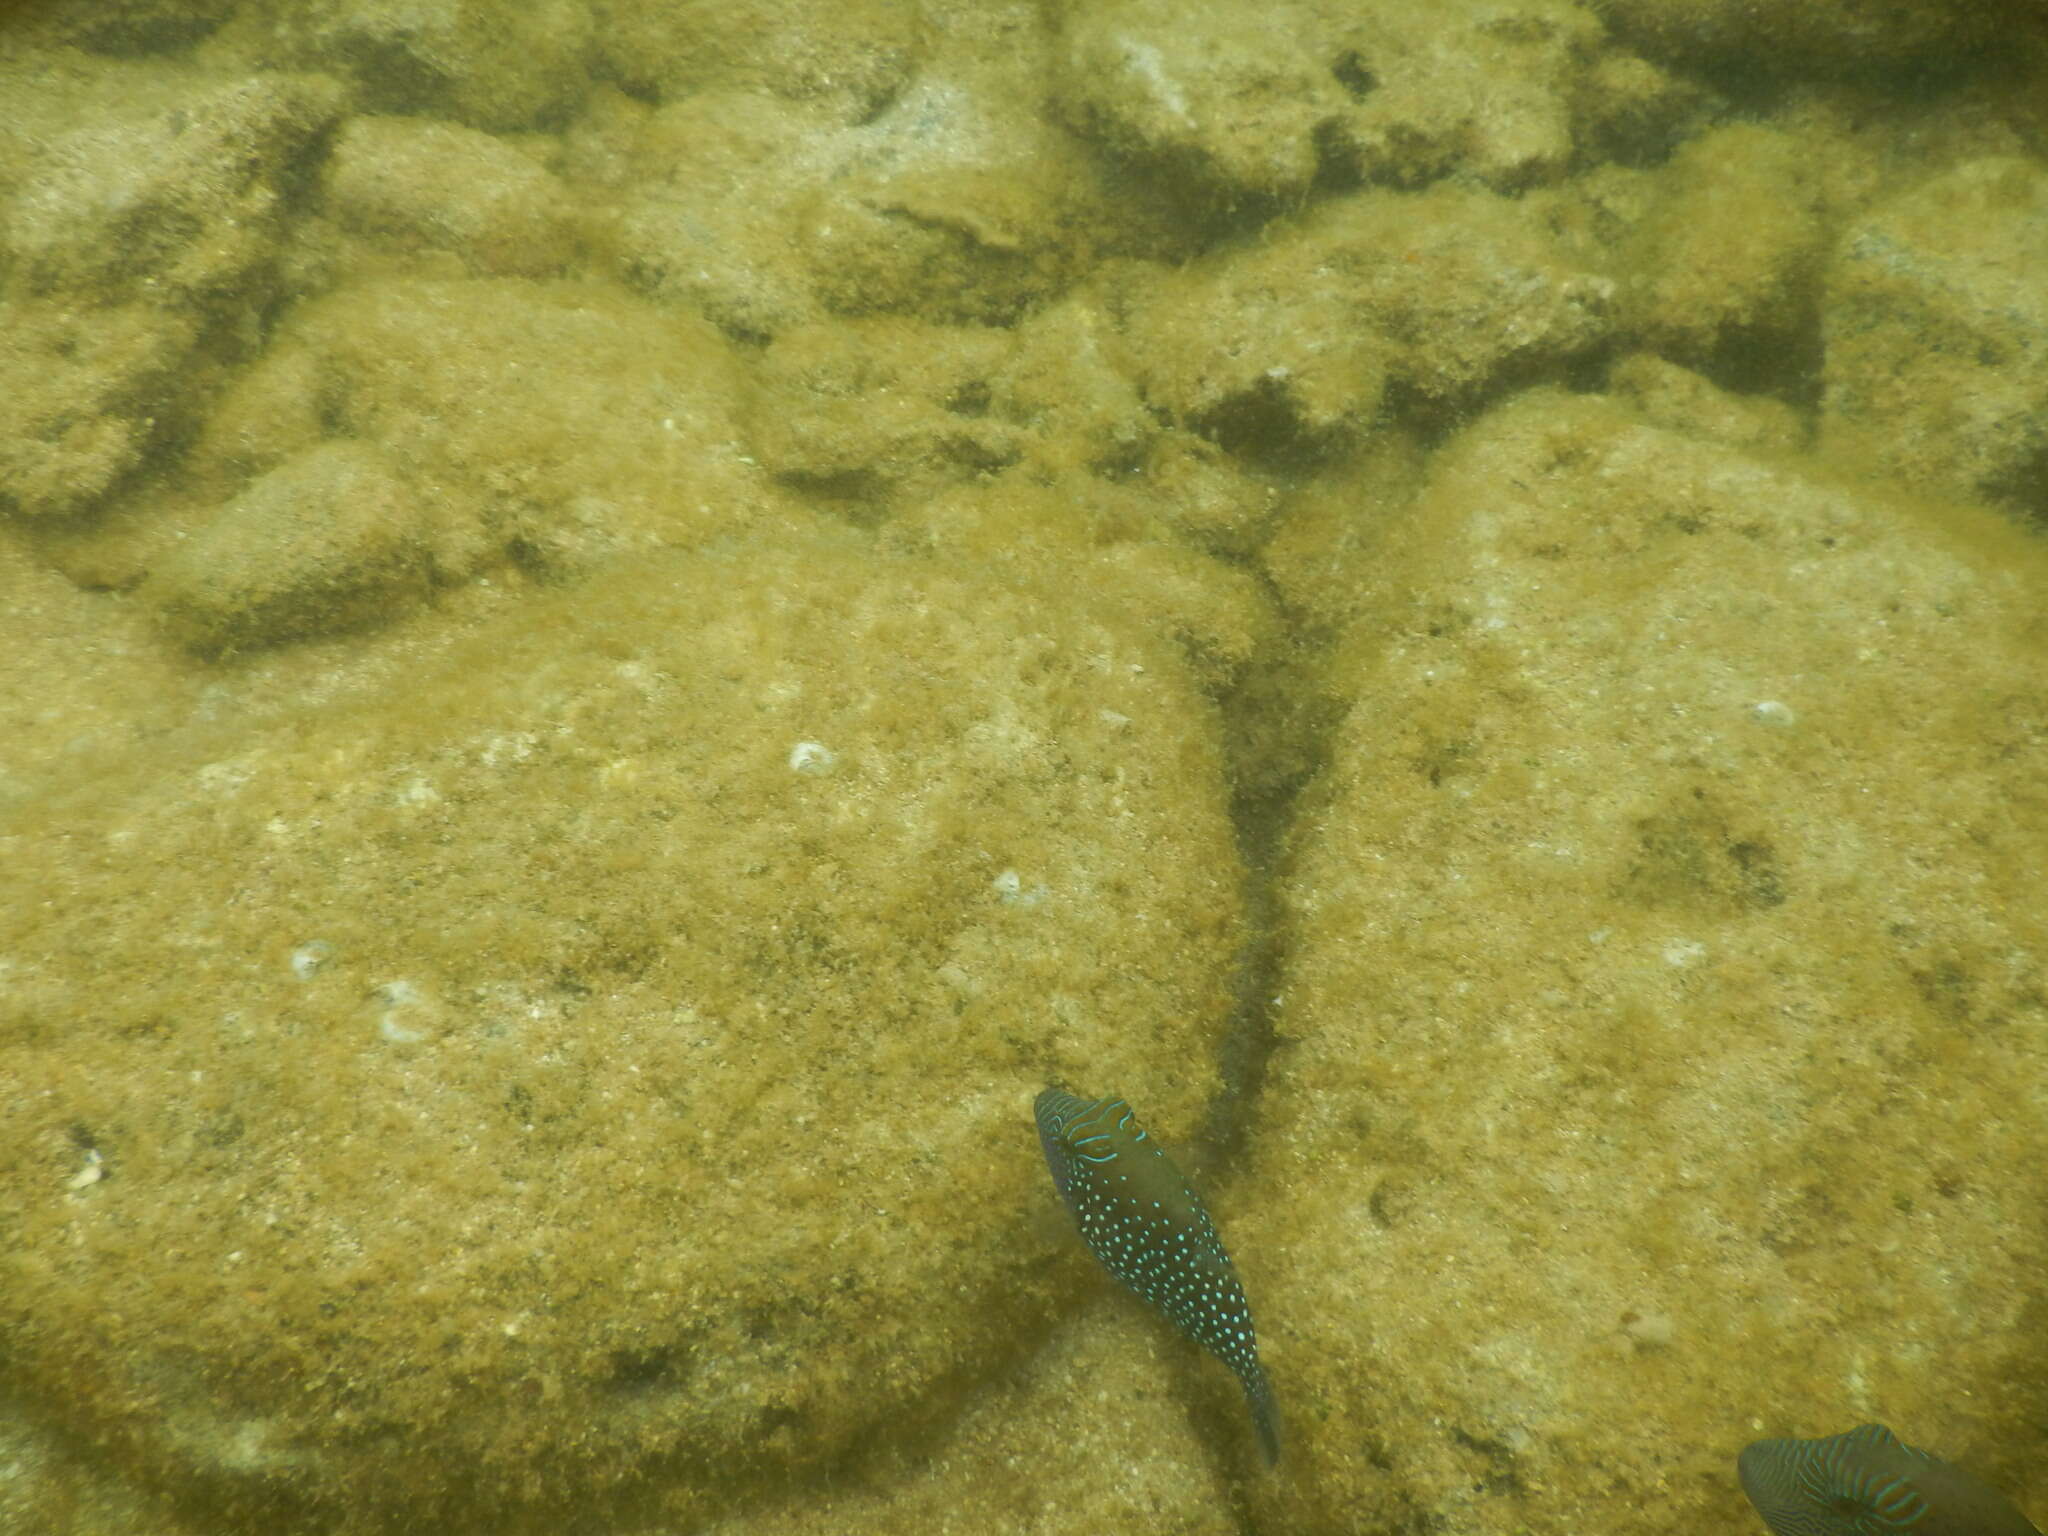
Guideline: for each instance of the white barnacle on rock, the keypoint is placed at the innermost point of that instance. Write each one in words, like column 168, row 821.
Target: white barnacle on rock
column 812, row 757
column 309, row 958
column 405, row 1014
column 417, row 791
column 1684, row 953
column 94, row 1170
column 508, row 747
column 1011, row 890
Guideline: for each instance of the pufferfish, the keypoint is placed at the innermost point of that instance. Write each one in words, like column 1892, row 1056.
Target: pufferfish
column 1868, row 1482
column 1138, row 1216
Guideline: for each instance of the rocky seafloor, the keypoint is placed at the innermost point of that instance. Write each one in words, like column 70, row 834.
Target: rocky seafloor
column 624, row 624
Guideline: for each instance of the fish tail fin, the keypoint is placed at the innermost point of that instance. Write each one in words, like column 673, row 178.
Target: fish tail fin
column 1265, row 1413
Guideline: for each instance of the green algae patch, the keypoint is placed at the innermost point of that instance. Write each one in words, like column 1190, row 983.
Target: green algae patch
column 600, row 1066
column 1664, row 985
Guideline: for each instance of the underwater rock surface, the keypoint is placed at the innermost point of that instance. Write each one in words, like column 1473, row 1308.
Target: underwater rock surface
column 623, row 622
column 139, row 250
column 467, row 1100
column 1665, row 969
column 1938, row 336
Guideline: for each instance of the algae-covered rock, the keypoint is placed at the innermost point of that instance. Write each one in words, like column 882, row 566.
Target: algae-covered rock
column 89, row 395
column 328, row 541
column 880, row 408
column 1664, row 970
column 554, row 424
column 48, row 1486
column 83, row 678
column 955, row 201
column 713, row 184
column 602, row 1063
column 1028, row 1455
column 623, row 623
column 137, row 251
column 1119, row 543
column 421, row 185
column 1630, row 111
column 125, row 28
column 1256, row 106
column 1250, row 352
column 1321, row 555
column 850, row 59
column 1937, row 336
column 170, row 201
column 1674, row 397
column 1809, row 37
column 1471, row 86
column 1731, row 256
column 1291, row 345
column 1223, row 97
column 959, row 205
column 884, row 418
column 494, row 67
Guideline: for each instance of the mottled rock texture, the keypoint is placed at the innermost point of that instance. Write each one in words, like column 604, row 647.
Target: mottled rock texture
column 1028, row 1453
column 551, row 425
column 1253, row 109
column 602, row 1056
column 422, row 185
column 623, row 623
column 138, row 251
column 326, row 542
column 1664, row 971
column 1937, row 344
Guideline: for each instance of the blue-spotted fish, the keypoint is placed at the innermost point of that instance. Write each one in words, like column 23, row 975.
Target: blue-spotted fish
column 1868, row 1482
column 1138, row 1216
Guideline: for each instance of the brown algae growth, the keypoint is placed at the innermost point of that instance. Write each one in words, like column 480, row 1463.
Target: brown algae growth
column 625, row 624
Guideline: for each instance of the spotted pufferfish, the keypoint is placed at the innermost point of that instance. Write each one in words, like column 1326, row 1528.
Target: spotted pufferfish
column 1149, row 1229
